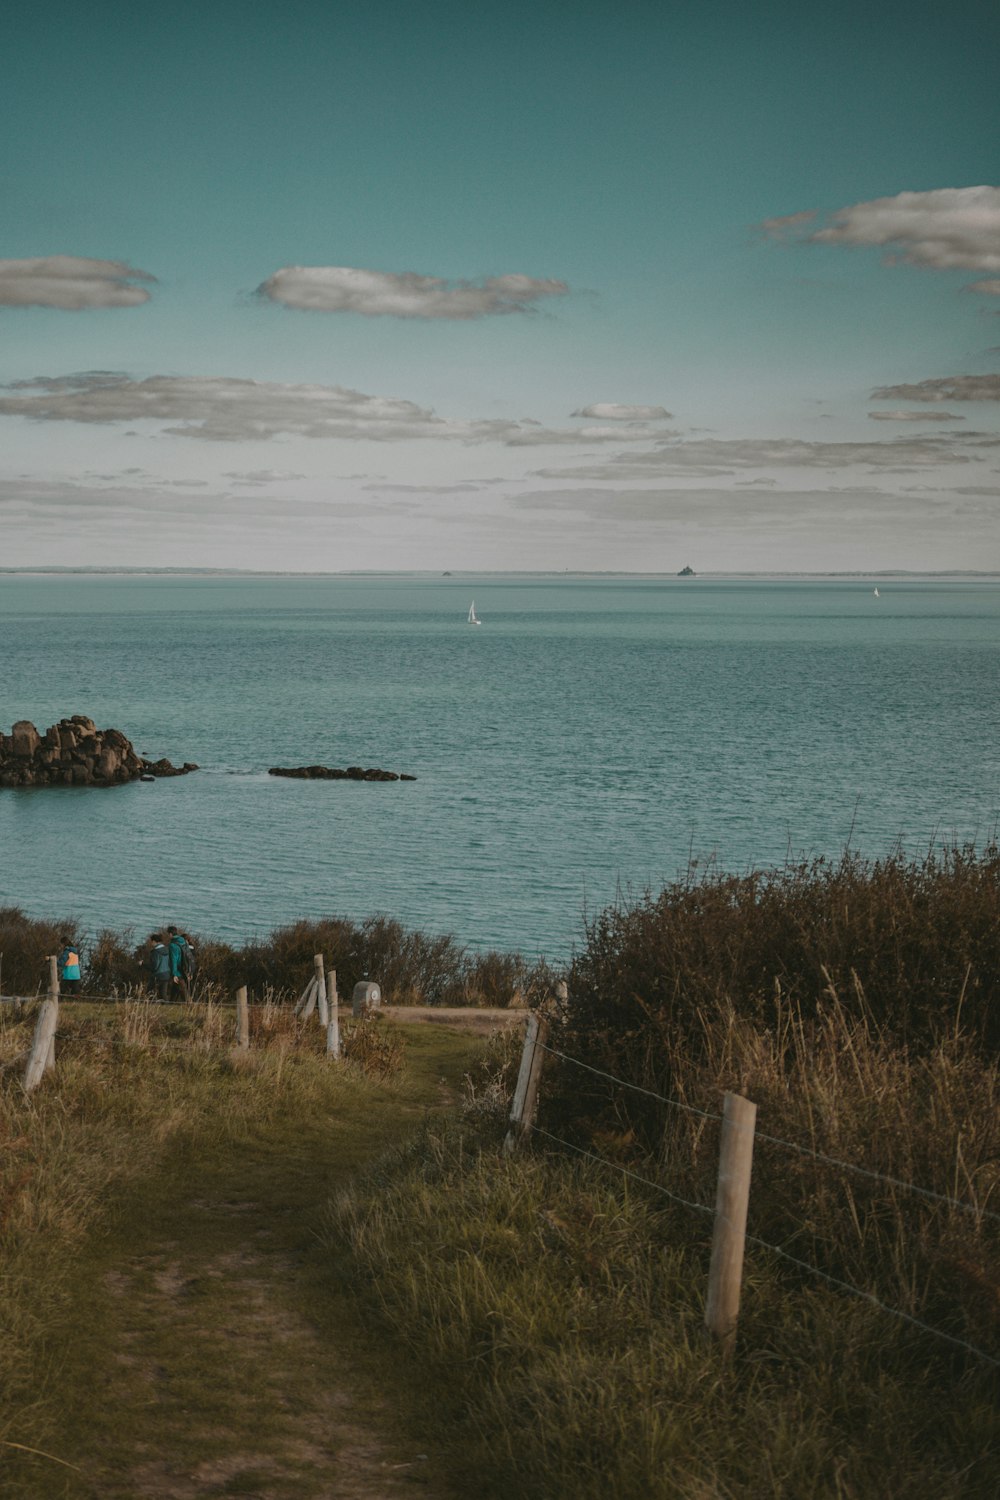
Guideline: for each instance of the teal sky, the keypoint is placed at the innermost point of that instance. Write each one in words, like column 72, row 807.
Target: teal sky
column 664, row 382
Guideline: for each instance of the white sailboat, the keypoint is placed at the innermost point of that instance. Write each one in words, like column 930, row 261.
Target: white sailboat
column 473, row 617
column 876, row 593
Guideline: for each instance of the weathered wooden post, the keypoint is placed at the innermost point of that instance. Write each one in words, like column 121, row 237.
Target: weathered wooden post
column 242, row 1020
column 529, row 1076
column 333, row 1025
column 732, row 1199
column 324, row 1009
column 50, row 1059
column 306, row 1002
column 42, row 1056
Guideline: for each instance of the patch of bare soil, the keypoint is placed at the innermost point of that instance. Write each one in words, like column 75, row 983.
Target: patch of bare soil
column 283, row 1422
column 481, row 1021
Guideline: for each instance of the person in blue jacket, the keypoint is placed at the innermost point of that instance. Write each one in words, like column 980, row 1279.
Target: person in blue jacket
column 180, row 966
column 69, row 967
column 159, row 966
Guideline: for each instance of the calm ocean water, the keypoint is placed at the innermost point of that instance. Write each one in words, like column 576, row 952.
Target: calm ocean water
column 592, row 736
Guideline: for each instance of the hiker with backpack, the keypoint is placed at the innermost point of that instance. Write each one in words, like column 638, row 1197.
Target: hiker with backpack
column 182, row 964
column 69, row 967
column 158, row 965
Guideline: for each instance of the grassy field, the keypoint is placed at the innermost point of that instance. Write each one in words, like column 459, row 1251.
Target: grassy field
column 173, row 1324
column 560, row 1297
column 281, row 1278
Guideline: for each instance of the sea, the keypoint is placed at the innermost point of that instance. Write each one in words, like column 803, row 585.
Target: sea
column 593, row 739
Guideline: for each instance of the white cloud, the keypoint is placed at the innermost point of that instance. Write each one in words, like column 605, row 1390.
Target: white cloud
column 914, row 416
column 611, row 411
column 222, row 409
column 405, row 295
column 718, row 457
column 945, row 388
column 71, row 283
column 988, row 288
column 945, row 229
column 254, row 477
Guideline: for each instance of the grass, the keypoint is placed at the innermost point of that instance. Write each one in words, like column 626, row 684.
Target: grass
column 541, row 1317
column 560, row 1303
column 172, row 1322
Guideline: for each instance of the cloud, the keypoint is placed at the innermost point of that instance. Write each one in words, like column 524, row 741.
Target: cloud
column 914, row 416
column 945, row 229
column 717, row 457
column 222, row 409
column 253, row 477
column 787, row 227
column 406, row 295
column 945, row 388
column 610, row 411
column 71, row 283
column 988, row 288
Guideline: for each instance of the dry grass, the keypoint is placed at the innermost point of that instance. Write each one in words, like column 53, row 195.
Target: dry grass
column 561, row 1302
column 159, row 1205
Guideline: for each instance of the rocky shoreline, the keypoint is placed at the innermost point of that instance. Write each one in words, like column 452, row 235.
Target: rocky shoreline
column 75, row 752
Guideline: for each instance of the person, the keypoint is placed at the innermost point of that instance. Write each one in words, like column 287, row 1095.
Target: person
column 159, row 966
column 181, row 963
column 69, row 967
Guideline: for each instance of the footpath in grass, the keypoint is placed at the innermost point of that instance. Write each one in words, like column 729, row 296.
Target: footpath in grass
column 201, row 1341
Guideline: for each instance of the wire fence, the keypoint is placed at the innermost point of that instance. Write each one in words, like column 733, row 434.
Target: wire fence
column 972, row 1209
column 756, row 1240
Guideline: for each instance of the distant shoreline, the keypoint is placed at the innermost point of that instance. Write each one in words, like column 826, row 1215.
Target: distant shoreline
column 468, row 573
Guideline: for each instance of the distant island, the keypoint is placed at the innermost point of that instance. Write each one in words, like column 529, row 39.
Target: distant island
column 687, row 572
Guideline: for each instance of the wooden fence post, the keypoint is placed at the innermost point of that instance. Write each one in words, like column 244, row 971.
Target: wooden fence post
column 42, row 1056
column 529, row 1075
column 324, row 1009
column 306, row 1002
column 333, row 1025
column 732, row 1199
column 242, row 1020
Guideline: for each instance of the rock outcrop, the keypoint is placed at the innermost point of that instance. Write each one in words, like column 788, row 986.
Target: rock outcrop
column 75, row 752
column 330, row 773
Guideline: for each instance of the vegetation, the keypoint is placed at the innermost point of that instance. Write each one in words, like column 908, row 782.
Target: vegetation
column 543, row 1314
column 561, row 1298
column 411, row 968
column 171, row 1324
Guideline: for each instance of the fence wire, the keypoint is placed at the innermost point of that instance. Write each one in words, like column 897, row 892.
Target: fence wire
column 774, row 1140
column 751, row 1239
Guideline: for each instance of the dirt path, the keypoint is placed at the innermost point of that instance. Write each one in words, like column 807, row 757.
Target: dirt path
column 480, row 1020
column 277, row 1415
column 218, row 1346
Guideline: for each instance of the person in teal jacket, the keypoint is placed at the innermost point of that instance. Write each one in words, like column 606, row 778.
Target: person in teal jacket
column 69, row 967
column 159, row 966
column 179, row 965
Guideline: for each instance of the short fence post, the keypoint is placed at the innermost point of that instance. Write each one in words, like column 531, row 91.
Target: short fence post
column 525, row 1102
column 333, row 1025
column 324, row 1010
column 732, row 1199
column 242, row 1020
column 42, row 1056
column 306, row 1002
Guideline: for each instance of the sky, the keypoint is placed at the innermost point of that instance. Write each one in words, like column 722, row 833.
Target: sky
column 328, row 286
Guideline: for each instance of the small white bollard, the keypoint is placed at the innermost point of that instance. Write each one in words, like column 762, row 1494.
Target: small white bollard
column 367, row 997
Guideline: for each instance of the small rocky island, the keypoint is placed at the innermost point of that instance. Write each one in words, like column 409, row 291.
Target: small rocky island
column 330, row 773
column 75, row 752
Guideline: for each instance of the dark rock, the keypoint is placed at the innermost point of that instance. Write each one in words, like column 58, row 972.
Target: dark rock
column 74, row 752
column 156, row 768
column 332, row 773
